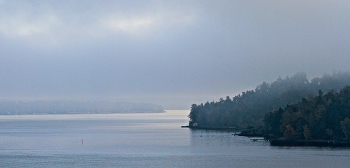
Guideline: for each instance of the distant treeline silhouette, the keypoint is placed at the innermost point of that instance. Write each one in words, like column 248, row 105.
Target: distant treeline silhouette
column 249, row 108
column 74, row 107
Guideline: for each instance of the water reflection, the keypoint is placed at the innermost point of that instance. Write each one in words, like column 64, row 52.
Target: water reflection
column 221, row 138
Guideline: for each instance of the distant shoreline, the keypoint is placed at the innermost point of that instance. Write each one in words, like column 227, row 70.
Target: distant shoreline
column 86, row 113
column 75, row 107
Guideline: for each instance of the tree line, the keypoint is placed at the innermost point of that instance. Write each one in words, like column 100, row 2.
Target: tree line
column 249, row 108
column 316, row 117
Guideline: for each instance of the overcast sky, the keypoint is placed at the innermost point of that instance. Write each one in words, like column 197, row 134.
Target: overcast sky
column 172, row 53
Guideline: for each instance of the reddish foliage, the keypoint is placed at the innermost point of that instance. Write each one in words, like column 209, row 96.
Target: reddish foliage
column 289, row 132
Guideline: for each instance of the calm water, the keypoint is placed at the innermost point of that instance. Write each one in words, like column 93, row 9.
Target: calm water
column 142, row 140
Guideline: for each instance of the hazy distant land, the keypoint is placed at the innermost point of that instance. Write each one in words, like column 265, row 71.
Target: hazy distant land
column 75, row 107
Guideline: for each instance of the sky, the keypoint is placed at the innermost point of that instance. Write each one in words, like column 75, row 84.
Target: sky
column 171, row 53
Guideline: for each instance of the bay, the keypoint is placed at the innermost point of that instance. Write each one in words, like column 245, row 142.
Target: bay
column 143, row 140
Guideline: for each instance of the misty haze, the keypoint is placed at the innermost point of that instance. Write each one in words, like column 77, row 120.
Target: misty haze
column 110, row 83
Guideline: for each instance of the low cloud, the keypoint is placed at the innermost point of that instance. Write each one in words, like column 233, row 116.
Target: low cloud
column 165, row 51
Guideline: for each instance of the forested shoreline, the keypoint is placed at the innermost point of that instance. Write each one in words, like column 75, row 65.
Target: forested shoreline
column 322, row 117
column 249, row 108
column 75, row 107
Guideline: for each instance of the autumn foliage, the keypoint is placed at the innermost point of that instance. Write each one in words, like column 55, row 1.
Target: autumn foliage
column 289, row 132
column 322, row 117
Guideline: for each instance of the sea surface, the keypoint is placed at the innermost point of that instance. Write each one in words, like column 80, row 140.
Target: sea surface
column 143, row 140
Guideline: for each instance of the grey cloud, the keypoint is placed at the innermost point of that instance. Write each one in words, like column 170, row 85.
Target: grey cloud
column 172, row 53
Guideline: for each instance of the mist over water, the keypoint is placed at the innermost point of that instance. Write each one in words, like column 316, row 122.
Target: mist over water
column 98, row 131
column 142, row 140
column 171, row 53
